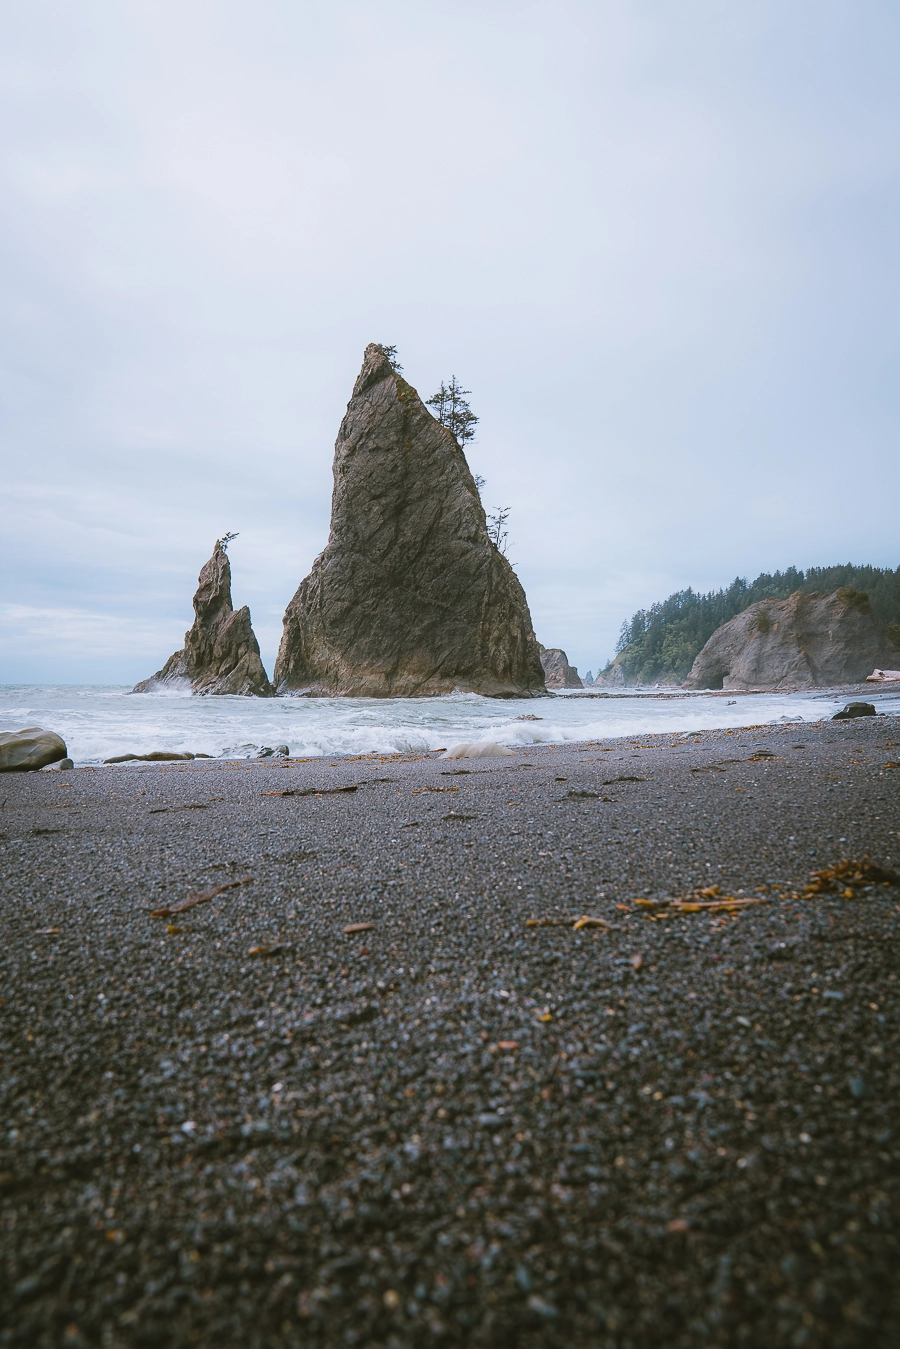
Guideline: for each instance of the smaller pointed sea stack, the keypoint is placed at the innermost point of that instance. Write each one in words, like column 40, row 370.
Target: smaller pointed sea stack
column 410, row 596
column 221, row 654
column 558, row 673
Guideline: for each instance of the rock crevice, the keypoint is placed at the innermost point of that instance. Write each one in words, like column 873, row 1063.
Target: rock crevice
column 410, row 596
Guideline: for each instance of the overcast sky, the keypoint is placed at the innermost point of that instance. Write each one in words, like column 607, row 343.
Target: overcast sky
column 658, row 241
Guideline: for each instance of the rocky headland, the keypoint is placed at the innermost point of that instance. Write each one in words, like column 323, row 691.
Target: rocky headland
column 410, row 596
column 805, row 641
column 220, row 653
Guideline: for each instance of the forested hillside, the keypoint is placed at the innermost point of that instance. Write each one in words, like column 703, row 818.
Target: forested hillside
column 662, row 641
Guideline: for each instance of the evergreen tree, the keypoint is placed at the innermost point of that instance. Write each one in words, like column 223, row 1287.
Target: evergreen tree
column 453, row 411
column 391, row 354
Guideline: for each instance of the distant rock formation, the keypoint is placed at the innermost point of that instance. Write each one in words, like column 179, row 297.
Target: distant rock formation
column 612, row 677
column 30, row 749
column 410, row 596
column 588, row 680
column 220, row 654
column 805, row 641
column 558, row 673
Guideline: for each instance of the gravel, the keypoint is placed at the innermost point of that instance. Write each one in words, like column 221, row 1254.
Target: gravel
column 240, row 1125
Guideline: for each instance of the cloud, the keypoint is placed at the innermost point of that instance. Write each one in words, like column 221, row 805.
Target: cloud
column 657, row 244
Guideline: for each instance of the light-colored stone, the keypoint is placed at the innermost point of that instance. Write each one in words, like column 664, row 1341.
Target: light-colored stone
column 32, row 748
column 480, row 749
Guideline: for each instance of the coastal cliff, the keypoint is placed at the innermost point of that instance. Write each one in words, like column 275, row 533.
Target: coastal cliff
column 805, row 641
column 410, row 597
column 220, row 653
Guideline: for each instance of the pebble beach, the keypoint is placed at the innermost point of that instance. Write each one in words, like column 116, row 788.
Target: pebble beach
column 322, row 1053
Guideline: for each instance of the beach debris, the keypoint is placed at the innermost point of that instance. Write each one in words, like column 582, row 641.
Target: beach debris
column 28, row 750
column 728, row 904
column 321, row 791
column 458, row 815
column 574, row 921
column 637, row 962
column 192, row 805
column 269, row 948
column 845, row 875
column 47, row 931
column 353, row 928
column 576, row 792
column 708, row 899
column 854, row 710
column 203, row 897
column 484, row 749
column 155, row 756
column 883, row 676
column 628, row 777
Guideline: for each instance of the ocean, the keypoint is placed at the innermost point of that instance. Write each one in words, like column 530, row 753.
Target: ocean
column 98, row 722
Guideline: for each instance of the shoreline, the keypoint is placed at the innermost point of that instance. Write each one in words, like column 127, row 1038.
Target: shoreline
column 98, row 726
column 334, row 1129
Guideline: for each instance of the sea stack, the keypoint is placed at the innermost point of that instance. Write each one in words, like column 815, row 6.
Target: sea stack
column 803, row 642
column 558, row 673
column 221, row 653
column 410, row 596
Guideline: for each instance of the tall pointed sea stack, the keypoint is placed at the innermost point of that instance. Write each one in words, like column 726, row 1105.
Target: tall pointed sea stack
column 221, row 653
column 410, row 596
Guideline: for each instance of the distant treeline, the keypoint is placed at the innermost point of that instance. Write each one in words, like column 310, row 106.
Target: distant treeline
column 662, row 641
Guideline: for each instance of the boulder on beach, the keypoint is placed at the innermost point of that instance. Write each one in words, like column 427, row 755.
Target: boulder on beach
column 220, row 653
column 852, row 710
column 883, row 677
column 26, row 751
column 410, row 597
column 558, row 673
column 805, row 641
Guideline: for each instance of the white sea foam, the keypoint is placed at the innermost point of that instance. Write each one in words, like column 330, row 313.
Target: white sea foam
column 100, row 722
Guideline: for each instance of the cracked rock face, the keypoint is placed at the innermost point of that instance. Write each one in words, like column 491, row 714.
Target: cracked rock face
column 221, row 653
column 805, row 641
column 410, row 596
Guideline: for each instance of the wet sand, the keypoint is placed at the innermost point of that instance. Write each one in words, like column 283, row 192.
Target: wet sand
column 238, row 1125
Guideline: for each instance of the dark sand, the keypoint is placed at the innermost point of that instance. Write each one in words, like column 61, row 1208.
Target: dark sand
column 453, row 1129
